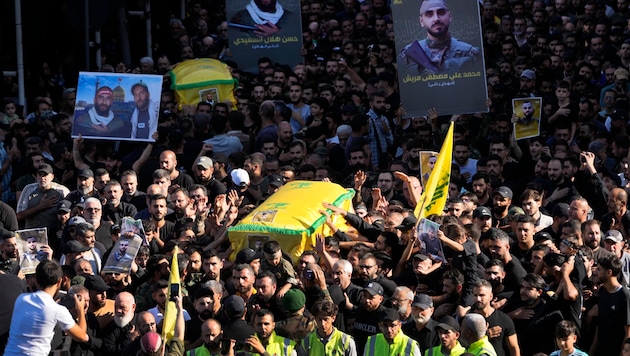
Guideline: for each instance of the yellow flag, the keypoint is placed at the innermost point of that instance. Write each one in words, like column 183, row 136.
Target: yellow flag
column 433, row 198
column 170, row 314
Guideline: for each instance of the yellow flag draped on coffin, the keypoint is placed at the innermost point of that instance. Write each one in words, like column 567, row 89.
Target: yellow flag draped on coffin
column 433, row 198
column 170, row 312
column 292, row 217
column 202, row 79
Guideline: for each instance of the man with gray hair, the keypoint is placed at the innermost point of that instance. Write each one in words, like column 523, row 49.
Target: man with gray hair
column 401, row 301
column 473, row 336
column 93, row 214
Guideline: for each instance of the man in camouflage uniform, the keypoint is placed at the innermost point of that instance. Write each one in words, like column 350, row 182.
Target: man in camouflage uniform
column 439, row 52
column 298, row 324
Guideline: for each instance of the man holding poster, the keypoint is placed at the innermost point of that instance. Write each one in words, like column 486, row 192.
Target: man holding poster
column 439, row 52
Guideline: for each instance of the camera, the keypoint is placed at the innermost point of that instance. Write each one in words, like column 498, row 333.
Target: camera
column 309, row 274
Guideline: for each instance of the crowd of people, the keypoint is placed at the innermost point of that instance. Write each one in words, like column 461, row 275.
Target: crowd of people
column 534, row 233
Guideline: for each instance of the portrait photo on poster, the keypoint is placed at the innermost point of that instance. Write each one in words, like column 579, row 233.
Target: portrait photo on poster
column 526, row 114
column 440, row 56
column 30, row 242
column 264, row 28
column 427, row 233
column 123, row 254
column 117, row 106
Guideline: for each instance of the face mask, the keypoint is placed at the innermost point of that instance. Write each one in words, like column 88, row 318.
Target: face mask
column 499, row 209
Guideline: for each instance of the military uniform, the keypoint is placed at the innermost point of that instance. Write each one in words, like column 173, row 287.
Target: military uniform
column 426, row 56
column 296, row 327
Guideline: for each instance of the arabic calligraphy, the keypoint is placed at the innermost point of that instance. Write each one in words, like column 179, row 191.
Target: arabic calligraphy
column 438, row 79
column 265, row 42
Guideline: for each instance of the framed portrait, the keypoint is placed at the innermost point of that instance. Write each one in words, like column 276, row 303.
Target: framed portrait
column 117, row 106
column 526, row 119
column 29, row 243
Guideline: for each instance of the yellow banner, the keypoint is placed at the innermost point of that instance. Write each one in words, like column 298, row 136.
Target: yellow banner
column 433, row 198
column 170, row 314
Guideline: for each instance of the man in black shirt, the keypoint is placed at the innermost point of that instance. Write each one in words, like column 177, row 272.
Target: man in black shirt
column 422, row 327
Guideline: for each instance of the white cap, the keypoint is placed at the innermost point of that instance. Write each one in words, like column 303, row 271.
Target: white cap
column 240, row 177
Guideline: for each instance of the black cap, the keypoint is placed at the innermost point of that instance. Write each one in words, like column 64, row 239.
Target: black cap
column 482, row 211
column 96, row 283
column 234, row 306
column 86, row 173
column 46, row 168
column 407, row 224
column 374, row 289
column 542, row 236
column 64, row 206
column 73, row 246
column 448, row 323
column 247, row 255
column 423, row 301
column 389, row 314
column 276, row 180
column 561, row 209
column 420, row 256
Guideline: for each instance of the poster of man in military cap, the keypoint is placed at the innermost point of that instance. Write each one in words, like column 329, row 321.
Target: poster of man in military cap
column 117, row 106
column 440, row 56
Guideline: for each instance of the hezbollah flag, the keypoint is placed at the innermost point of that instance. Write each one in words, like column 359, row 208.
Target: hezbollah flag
column 202, row 79
column 170, row 314
column 433, row 198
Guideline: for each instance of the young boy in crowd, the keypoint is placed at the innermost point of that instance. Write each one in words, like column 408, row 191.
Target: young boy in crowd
column 565, row 339
column 280, row 267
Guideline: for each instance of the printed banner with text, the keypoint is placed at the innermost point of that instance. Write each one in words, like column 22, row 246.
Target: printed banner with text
column 259, row 28
column 440, row 59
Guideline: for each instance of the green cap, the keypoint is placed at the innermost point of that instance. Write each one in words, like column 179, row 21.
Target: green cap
column 294, row 300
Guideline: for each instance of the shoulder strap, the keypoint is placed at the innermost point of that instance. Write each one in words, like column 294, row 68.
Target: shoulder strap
column 287, row 343
column 372, row 342
column 306, row 343
column 344, row 340
column 409, row 346
column 416, row 53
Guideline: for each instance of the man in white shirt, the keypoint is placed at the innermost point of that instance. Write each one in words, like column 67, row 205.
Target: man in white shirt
column 36, row 315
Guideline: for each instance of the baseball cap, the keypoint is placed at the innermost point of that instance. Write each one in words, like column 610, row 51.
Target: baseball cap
column 240, row 177
column 247, row 255
column 542, row 236
column 420, row 256
column 204, row 161
column 151, row 343
column 374, row 289
column 561, row 209
column 407, row 224
column 276, row 180
column 64, row 206
column 95, row 283
column 234, row 306
column 389, row 314
column 76, row 220
column 482, row 211
column 505, row 192
column 114, row 228
column 529, row 74
column 107, row 91
column 613, row 235
column 321, row 151
column 73, row 246
column 423, row 301
column 621, row 74
column 86, row 173
column 46, row 168
column 448, row 323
